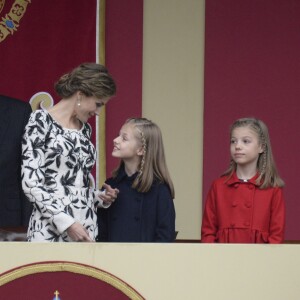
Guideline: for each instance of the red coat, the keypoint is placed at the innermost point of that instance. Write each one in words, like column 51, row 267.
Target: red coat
column 240, row 212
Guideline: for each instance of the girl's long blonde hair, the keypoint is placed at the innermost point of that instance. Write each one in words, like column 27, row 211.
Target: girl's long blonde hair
column 153, row 163
column 268, row 174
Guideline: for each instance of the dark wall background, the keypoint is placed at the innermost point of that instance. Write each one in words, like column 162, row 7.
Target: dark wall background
column 252, row 68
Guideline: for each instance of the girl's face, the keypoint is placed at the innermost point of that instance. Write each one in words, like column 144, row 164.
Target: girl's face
column 89, row 107
column 245, row 146
column 127, row 146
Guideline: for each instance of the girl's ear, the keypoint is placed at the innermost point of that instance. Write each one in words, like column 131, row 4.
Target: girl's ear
column 140, row 151
column 262, row 148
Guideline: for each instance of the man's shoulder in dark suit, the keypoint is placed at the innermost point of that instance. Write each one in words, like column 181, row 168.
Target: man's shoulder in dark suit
column 14, row 208
column 6, row 101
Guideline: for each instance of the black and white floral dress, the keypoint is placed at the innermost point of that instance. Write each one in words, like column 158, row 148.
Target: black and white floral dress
column 55, row 178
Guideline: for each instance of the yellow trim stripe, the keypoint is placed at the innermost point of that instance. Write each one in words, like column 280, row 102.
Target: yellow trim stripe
column 101, row 119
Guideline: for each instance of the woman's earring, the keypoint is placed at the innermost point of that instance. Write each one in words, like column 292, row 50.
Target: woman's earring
column 78, row 102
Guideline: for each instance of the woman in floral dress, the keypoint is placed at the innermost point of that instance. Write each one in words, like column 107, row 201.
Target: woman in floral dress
column 58, row 157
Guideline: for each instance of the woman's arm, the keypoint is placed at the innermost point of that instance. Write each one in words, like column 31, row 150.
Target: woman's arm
column 104, row 198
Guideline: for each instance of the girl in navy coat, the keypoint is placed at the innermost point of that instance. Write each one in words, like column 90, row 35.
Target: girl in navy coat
column 144, row 210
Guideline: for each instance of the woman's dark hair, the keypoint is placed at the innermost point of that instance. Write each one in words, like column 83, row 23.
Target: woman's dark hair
column 90, row 78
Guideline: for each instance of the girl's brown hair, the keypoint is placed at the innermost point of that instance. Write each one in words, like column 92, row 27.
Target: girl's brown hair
column 153, row 163
column 90, row 78
column 268, row 174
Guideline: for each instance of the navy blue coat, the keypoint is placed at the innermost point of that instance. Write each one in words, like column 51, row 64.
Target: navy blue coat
column 135, row 216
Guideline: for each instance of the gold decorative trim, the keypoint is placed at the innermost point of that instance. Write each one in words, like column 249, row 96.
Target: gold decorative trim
column 102, row 116
column 73, row 268
column 102, row 8
column 2, row 2
column 10, row 22
column 41, row 100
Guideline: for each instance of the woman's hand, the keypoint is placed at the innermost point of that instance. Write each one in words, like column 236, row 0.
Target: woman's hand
column 110, row 194
column 78, row 233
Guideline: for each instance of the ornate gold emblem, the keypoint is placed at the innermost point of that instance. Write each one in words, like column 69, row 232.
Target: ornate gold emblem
column 41, row 100
column 10, row 22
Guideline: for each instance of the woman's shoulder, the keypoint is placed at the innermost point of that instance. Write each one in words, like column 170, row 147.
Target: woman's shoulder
column 39, row 115
column 40, row 120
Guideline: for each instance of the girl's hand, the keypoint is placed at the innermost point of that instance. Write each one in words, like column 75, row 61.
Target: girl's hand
column 78, row 233
column 110, row 194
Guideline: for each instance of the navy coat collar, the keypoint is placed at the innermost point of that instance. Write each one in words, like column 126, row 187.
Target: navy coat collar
column 123, row 176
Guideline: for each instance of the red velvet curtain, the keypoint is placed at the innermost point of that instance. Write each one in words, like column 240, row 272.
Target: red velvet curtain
column 252, row 68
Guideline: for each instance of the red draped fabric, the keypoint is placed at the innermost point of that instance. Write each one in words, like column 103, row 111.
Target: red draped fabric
column 51, row 38
column 252, row 69
column 124, row 59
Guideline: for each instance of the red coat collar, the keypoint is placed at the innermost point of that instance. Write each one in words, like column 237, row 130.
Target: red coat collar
column 234, row 179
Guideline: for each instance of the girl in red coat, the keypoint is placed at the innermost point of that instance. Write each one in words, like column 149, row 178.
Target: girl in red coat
column 246, row 205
